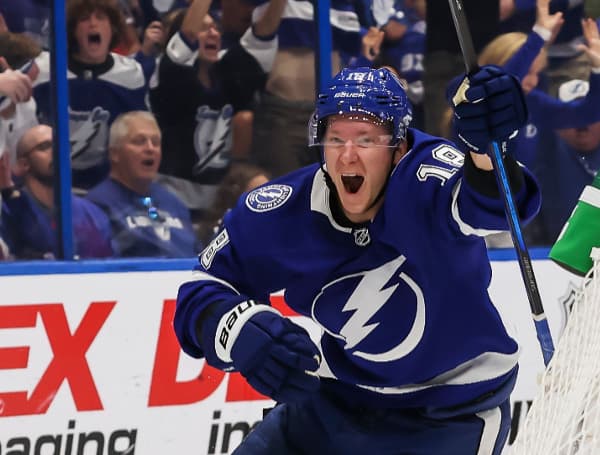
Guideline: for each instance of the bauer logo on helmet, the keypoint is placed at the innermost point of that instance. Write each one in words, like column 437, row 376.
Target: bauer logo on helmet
column 349, row 95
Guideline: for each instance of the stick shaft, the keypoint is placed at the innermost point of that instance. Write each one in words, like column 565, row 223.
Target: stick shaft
column 512, row 215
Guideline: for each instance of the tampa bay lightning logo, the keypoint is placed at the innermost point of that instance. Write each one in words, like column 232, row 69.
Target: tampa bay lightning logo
column 212, row 138
column 378, row 315
column 89, row 136
column 268, row 197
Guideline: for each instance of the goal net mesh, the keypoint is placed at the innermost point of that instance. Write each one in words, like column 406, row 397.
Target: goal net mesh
column 564, row 418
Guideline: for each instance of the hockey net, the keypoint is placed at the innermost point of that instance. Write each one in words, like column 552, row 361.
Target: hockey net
column 565, row 416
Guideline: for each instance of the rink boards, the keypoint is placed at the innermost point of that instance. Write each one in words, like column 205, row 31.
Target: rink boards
column 89, row 363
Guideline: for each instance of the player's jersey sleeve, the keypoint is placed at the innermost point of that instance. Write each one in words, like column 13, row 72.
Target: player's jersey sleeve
column 434, row 180
column 477, row 211
column 249, row 258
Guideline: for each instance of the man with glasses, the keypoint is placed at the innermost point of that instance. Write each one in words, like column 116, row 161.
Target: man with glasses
column 28, row 212
column 146, row 218
column 382, row 246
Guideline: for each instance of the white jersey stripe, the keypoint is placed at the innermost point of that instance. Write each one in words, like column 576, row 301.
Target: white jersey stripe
column 465, row 228
column 486, row 366
column 491, row 427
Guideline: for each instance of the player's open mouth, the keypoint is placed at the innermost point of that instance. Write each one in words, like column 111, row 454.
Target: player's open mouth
column 148, row 162
column 352, row 182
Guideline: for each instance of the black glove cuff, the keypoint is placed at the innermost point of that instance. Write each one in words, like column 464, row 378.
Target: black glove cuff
column 484, row 182
column 206, row 314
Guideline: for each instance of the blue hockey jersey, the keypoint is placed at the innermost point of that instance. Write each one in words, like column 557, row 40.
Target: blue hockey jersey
column 402, row 302
column 97, row 95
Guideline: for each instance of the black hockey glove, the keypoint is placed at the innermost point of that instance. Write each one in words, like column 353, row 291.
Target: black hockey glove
column 489, row 105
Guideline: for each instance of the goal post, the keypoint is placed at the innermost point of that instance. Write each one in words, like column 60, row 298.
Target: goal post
column 564, row 418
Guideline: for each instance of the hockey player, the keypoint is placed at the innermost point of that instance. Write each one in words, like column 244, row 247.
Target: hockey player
column 381, row 245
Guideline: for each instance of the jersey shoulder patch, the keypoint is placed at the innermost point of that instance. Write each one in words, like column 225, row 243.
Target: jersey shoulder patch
column 269, row 197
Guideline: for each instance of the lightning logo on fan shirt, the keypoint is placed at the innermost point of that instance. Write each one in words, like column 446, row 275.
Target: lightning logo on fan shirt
column 367, row 299
column 82, row 137
column 88, row 136
column 212, row 138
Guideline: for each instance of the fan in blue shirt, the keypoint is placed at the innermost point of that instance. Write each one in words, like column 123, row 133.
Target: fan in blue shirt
column 146, row 219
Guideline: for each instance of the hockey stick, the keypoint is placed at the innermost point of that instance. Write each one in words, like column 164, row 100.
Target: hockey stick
column 535, row 302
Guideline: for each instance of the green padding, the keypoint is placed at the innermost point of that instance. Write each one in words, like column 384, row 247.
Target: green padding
column 580, row 234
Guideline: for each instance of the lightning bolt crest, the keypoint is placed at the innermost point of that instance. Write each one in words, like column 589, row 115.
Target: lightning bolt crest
column 366, row 300
column 267, row 193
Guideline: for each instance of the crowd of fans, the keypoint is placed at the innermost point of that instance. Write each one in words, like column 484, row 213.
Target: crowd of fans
column 177, row 107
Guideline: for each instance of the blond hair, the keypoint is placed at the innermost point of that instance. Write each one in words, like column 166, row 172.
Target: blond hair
column 502, row 48
column 497, row 52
